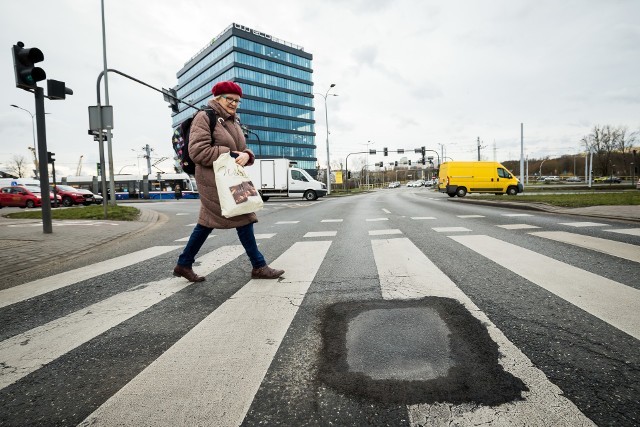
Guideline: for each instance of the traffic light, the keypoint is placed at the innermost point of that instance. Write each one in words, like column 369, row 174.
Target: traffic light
column 50, row 158
column 57, row 90
column 409, row 162
column 171, row 96
column 396, row 163
column 348, row 174
column 385, row 151
column 422, row 150
column 27, row 75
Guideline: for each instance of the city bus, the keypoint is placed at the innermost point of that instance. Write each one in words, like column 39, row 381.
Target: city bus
column 160, row 186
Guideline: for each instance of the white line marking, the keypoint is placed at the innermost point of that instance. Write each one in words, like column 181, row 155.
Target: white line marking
column 265, row 236
column 384, row 232
column 376, row 219
column 618, row 249
column 182, row 213
column 584, row 224
column 629, row 231
column 331, row 220
column 387, row 211
column 449, row 229
column 423, row 217
column 406, row 273
column 52, row 283
column 517, row 226
column 287, row 222
column 517, row 214
column 191, row 225
column 604, row 298
column 24, row 353
column 470, row 216
column 211, row 375
column 186, row 239
column 321, row 234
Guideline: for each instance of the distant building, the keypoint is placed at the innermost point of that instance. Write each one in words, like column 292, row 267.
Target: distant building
column 276, row 81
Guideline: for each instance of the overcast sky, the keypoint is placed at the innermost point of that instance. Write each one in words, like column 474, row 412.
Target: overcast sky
column 408, row 73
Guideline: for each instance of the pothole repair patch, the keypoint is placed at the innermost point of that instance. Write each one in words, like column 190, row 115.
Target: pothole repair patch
column 413, row 351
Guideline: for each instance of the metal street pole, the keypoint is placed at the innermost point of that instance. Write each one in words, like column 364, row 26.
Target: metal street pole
column 112, row 186
column 326, row 116
column 47, row 226
column 33, row 129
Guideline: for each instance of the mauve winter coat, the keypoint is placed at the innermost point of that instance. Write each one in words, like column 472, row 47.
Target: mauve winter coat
column 227, row 137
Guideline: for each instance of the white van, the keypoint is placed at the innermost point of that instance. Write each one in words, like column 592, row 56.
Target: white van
column 27, row 182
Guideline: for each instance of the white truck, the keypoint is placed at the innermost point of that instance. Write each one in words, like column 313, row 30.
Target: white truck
column 276, row 178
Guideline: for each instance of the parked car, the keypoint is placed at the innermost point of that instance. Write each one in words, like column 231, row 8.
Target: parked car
column 552, row 179
column 19, row 196
column 75, row 196
column 574, row 179
column 608, row 179
column 394, row 184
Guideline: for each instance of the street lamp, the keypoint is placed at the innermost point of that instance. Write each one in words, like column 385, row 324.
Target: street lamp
column 125, row 166
column 33, row 128
column 326, row 115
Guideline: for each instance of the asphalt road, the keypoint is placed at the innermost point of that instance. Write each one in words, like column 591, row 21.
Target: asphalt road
column 398, row 307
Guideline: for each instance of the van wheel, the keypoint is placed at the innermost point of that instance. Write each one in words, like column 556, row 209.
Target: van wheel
column 512, row 191
column 310, row 195
column 31, row 204
column 451, row 194
column 461, row 192
column 67, row 202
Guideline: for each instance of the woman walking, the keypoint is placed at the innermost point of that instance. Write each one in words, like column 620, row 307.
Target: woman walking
column 204, row 149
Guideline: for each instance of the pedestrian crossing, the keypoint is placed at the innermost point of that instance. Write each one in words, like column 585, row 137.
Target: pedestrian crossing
column 212, row 374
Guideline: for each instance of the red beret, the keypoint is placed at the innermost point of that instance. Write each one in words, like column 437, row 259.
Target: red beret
column 224, row 88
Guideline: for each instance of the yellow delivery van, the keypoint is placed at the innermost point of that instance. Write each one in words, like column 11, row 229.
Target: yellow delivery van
column 460, row 178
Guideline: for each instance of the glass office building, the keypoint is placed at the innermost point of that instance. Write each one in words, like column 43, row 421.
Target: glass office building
column 275, row 77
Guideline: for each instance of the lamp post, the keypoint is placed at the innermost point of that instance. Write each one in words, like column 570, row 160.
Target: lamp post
column 33, row 128
column 326, row 116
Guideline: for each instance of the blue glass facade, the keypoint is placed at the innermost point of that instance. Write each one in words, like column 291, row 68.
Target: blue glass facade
column 277, row 86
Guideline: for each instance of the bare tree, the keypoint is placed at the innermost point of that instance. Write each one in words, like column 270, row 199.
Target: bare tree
column 625, row 144
column 18, row 166
column 602, row 141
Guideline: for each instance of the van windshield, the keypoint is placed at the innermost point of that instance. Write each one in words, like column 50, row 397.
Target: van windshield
column 503, row 173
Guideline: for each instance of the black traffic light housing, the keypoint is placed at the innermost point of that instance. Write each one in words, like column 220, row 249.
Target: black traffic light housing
column 385, row 151
column 26, row 73
column 171, row 96
column 50, row 158
column 57, row 90
column 396, row 163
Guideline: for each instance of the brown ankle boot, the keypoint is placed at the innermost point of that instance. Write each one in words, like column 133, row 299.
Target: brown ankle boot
column 266, row 272
column 187, row 273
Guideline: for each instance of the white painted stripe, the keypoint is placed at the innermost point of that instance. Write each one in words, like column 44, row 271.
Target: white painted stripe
column 384, row 232
column 331, row 220
column 517, row 226
column 618, row 249
column 265, row 236
column 192, row 225
column 24, row 353
column 287, row 222
column 186, row 239
column 449, row 229
column 406, row 273
column 182, row 213
column 604, row 298
column 377, row 219
column 584, row 224
column 387, row 211
column 517, row 214
column 211, row 375
column 51, row 283
column 423, row 217
column 629, row 231
column 470, row 216
column 321, row 234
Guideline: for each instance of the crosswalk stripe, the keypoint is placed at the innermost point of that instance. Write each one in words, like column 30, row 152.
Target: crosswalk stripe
column 331, row 220
column 406, row 273
column 449, row 229
column 52, row 283
column 376, row 219
column 287, row 222
column 321, row 234
column 470, row 216
column 629, row 231
column 384, row 232
column 186, row 239
column 423, row 217
column 604, row 298
column 516, row 214
column 29, row 351
column 265, row 236
column 611, row 247
column 583, row 224
column 211, row 375
column 517, row 226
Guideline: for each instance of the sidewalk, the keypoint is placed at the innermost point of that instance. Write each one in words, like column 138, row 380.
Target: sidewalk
column 24, row 245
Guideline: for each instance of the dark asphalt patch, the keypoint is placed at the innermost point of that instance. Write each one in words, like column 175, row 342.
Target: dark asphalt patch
column 413, row 351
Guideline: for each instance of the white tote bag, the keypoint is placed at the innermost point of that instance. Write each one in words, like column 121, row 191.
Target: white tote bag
column 237, row 193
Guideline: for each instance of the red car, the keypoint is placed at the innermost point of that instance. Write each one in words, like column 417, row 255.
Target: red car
column 20, row 197
column 74, row 196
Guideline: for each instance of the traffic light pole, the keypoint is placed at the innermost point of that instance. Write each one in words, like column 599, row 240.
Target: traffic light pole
column 43, row 166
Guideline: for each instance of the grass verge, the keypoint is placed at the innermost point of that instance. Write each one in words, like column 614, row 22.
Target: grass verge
column 114, row 213
column 573, row 200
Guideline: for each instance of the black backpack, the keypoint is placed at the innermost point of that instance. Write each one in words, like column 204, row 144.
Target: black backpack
column 180, row 140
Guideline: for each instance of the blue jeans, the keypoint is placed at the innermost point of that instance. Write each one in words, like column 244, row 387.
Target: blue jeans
column 199, row 236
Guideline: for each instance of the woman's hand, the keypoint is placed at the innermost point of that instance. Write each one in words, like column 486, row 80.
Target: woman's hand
column 242, row 159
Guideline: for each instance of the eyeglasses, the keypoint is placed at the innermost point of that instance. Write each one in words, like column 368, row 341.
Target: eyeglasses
column 232, row 100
